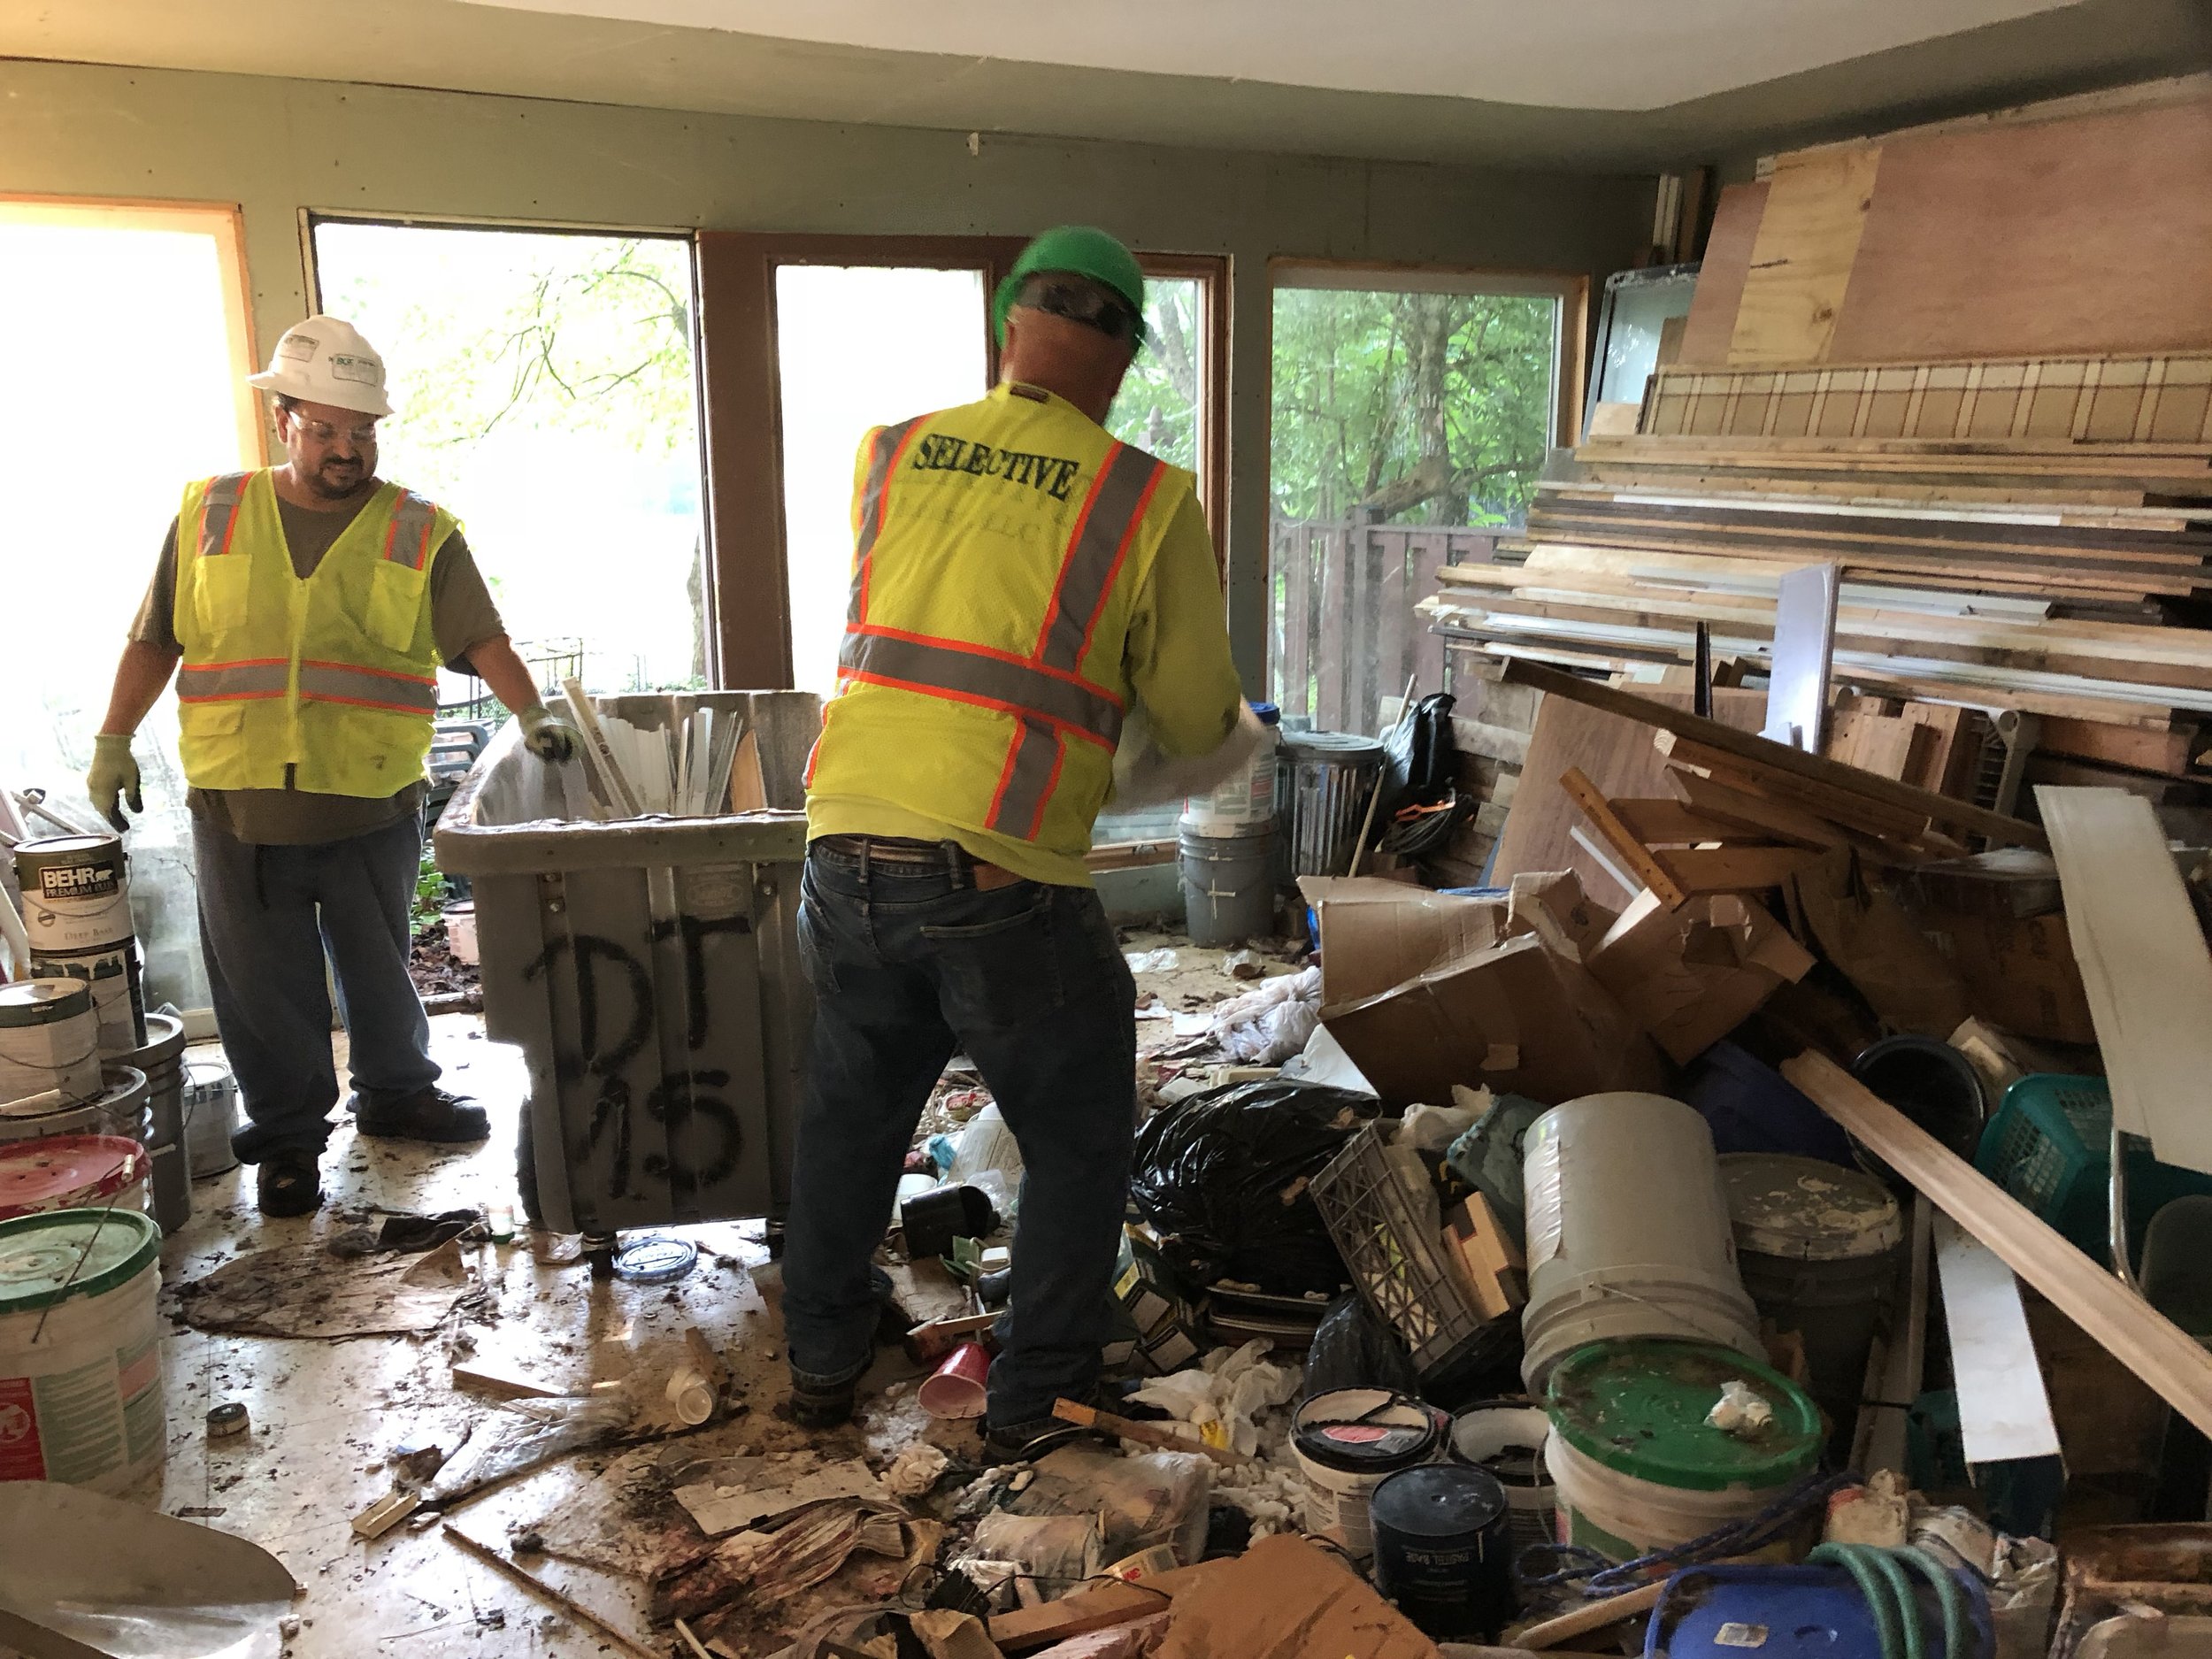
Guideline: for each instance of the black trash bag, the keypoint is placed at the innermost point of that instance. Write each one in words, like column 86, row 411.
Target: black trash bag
column 1352, row 1348
column 1417, row 756
column 1222, row 1178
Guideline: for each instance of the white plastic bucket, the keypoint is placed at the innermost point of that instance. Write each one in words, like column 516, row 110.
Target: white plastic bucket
column 210, row 1116
column 50, row 1045
column 1622, row 1517
column 73, row 1172
column 460, row 932
column 1605, row 1261
column 1244, row 800
column 77, row 911
column 81, row 1398
column 1508, row 1440
column 1374, row 1433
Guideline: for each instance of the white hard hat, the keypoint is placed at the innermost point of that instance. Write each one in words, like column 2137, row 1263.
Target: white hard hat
column 324, row 361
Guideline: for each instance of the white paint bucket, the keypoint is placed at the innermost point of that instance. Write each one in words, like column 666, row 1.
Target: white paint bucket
column 1605, row 1262
column 118, row 1109
column 77, row 910
column 81, row 1398
column 1508, row 1442
column 50, row 1045
column 460, row 932
column 73, row 1172
column 1346, row 1441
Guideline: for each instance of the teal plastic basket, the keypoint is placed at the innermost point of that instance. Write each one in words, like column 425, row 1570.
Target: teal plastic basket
column 2050, row 1145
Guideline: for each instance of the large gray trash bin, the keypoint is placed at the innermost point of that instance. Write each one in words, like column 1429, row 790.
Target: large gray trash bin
column 648, row 971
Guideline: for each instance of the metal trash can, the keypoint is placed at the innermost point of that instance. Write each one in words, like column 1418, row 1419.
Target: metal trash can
column 1323, row 800
column 648, row 971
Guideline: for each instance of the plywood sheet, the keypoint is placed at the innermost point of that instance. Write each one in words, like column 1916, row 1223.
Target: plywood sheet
column 1801, row 258
column 2086, row 236
column 1618, row 755
column 1720, row 278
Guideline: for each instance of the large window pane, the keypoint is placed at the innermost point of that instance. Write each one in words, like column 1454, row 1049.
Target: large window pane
column 1409, row 424
column 1159, row 407
column 545, row 394
column 856, row 347
column 101, row 449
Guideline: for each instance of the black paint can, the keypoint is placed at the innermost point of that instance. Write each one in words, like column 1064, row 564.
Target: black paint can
column 934, row 1220
column 1444, row 1549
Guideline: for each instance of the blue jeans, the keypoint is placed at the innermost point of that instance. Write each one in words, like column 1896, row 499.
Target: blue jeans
column 267, row 915
column 910, row 963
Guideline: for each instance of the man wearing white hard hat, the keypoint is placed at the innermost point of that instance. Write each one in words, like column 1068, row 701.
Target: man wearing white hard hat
column 310, row 606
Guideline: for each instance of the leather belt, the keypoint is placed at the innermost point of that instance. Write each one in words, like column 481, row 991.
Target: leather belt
column 900, row 851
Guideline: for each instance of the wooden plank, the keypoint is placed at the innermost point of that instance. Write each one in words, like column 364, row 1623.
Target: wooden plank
column 1801, row 258
column 2144, row 966
column 2168, row 752
column 1631, row 852
column 1614, row 754
column 1902, row 798
column 1839, row 805
column 1720, row 279
column 1906, row 1361
column 2150, row 1345
column 1665, row 822
column 1732, row 869
column 1095, row 1607
column 1717, row 799
column 2059, row 238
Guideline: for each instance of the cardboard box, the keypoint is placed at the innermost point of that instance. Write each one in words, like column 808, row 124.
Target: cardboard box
column 1553, row 906
column 1287, row 1599
column 2019, row 972
column 1497, row 1275
column 1515, row 1016
column 1689, row 977
column 1379, row 934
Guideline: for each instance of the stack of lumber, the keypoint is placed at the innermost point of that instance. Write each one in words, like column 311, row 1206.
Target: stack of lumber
column 1969, row 366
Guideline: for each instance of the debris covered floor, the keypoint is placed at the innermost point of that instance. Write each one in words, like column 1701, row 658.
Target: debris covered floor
column 331, row 1413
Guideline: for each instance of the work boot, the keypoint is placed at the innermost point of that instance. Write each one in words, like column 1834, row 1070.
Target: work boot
column 428, row 1114
column 1024, row 1442
column 288, row 1183
column 815, row 1409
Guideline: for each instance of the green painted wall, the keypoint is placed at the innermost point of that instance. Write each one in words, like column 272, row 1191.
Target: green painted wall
column 278, row 147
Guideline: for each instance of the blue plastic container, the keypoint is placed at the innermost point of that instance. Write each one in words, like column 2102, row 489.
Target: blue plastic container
column 1750, row 1107
column 1753, row 1612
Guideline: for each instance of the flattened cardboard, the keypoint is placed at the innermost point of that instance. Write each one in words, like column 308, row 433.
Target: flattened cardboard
column 1875, row 945
column 1691, row 976
column 2020, row 974
column 1515, row 1016
column 1288, row 1600
column 1552, row 905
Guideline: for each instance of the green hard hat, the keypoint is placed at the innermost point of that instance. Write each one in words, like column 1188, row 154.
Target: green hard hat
column 1083, row 249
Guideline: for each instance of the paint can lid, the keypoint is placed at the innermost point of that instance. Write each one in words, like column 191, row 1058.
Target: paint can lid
column 46, row 849
column 1638, row 1405
column 656, row 1261
column 1808, row 1209
column 68, row 1172
column 28, row 1003
column 1364, row 1431
column 48, row 1258
column 1439, row 1501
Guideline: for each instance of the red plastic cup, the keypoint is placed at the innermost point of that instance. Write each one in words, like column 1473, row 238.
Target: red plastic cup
column 955, row 1389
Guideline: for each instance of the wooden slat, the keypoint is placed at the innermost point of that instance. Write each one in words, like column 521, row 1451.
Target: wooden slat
column 2148, row 1344
column 1694, row 870
column 1641, row 862
column 1902, row 798
column 1661, row 821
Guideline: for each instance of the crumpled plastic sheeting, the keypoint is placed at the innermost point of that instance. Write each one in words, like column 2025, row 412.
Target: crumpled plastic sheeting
column 1272, row 1022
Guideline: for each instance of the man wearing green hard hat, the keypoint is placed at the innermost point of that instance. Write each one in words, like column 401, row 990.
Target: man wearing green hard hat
column 1023, row 587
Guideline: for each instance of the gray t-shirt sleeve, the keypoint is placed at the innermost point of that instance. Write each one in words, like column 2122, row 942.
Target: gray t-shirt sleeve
column 156, row 623
column 462, row 614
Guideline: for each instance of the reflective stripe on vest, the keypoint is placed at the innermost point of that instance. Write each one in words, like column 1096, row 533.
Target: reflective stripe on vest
column 1046, row 692
column 218, row 512
column 407, row 540
column 889, row 445
column 367, row 688
column 233, row 682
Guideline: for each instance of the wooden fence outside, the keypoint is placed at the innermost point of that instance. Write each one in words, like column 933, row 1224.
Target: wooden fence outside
column 1343, row 633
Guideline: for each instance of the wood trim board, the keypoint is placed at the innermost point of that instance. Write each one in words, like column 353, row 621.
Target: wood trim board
column 2144, row 964
column 2175, row 1365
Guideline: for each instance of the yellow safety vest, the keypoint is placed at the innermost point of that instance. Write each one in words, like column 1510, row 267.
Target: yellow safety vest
column 998, row 549
column 328, row 685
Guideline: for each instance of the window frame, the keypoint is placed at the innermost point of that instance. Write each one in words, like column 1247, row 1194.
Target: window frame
column 225, row 222
column 1212, row 274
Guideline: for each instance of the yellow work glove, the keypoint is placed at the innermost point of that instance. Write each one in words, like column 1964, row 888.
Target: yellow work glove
column 546, row 735
column 113, row 777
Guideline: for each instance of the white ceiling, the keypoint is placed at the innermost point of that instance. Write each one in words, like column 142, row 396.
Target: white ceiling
column 1567, row 54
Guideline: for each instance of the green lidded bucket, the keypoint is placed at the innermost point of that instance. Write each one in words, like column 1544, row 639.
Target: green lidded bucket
column 1636, row 1464
column 81, row 1395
